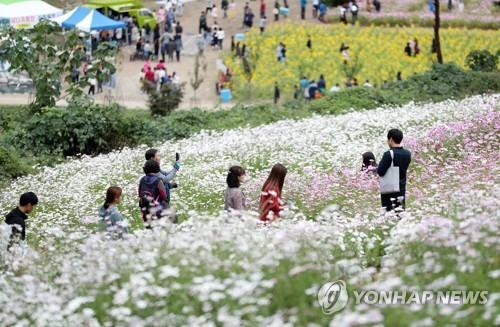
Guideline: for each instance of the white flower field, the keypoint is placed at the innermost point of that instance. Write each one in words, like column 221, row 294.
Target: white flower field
column 218, row 269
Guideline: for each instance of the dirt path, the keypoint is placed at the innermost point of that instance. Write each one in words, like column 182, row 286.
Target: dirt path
column 127, row 92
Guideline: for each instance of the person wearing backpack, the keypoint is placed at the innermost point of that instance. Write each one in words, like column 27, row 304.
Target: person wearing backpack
column 154, row 198
column 397, row 159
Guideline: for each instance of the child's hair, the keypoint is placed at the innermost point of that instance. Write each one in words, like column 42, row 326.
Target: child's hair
column 368, row 160
column 112, row 194
column 150, row 154
column 232, row 177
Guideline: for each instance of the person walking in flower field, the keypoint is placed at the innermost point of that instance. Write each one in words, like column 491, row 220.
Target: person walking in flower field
column 234, row 199
column 111, row 220
column 392, row 170
column 16, row 219
column 270, row 199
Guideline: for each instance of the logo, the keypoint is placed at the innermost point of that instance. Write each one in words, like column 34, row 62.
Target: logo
column 333, row 297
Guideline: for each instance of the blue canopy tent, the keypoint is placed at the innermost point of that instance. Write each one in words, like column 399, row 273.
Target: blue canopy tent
column 88, row 20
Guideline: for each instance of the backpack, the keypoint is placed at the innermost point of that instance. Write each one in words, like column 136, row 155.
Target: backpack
column 149, row 194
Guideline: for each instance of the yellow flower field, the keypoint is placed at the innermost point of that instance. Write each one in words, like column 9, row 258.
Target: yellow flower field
column 380, row 51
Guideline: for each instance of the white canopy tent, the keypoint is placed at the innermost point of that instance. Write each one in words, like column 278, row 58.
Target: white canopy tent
column 25, row 14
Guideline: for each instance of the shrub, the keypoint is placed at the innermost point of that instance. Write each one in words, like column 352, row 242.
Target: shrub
column 11, row 164
column 165, row 100
column 184, row 123
column 72, row 131
column 482, row 60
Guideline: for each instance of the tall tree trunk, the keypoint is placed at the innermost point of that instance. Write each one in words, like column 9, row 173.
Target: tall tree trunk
column 436, row 32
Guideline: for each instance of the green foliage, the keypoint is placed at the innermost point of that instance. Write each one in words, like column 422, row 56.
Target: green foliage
column 482, row 60
column 182, row 124
column 72, row 131
column 392, row 21
column 11, row 164
column 47, row 55
column 200, row 67
column 165, row 100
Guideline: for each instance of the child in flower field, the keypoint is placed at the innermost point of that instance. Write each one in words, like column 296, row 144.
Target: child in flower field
column 369, row 163
column 111, row 220
column 234, row 199
column 270, row 199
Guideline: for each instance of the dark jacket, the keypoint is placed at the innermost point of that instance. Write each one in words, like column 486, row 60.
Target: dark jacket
column 17, row 217
column 402, row 159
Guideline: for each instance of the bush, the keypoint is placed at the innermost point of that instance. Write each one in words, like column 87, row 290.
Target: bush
column 482, row 60
column 11, row 164
column 392, row 21
column 165, row 100
column 73, row 131
column 184, row 123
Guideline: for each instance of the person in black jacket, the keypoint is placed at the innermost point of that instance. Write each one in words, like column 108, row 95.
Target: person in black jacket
column 16, row 218
column 402, row 159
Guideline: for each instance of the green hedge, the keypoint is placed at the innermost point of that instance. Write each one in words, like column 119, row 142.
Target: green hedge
column 422, row 22
column 58, row 132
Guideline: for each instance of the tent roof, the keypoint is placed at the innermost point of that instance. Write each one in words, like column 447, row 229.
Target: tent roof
column 95, row 21
column 79, row 13
column 28, row 8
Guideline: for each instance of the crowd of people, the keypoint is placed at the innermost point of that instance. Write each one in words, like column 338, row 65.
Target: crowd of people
column 157, row 75
column 155, row 187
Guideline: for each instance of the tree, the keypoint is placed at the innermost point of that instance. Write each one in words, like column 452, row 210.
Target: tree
column 164, row 100
column 200, row 67
column 48, row 57
column 482, row 60
column 437, row 23
column 351, row 68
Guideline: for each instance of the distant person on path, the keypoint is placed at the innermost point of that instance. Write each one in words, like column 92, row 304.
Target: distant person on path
column 16, row 219
column 270, row 199
column 401, row 158
column 322, row 12
column 343, row 14
column 377, row 5
column 262, row 24
column 111, row 220
column 153, row 196
column 224, row 6
column 234, row 199
column 303, row 4
column 276, row 11
column 354, row 12
column 220, row 38
column 315, row 6
column 367, row 84
column 414, row 47
column 262, row 8
column 276, row 93
column 202, row 23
